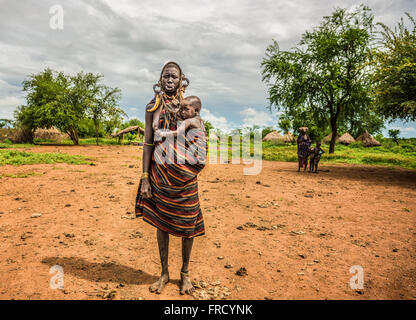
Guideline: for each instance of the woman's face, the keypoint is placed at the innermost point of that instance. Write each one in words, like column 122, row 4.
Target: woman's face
column 170, row 80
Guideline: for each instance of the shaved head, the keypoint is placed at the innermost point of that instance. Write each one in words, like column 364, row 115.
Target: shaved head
column 195, row 102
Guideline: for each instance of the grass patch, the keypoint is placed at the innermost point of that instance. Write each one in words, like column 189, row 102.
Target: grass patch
column 22, row 175
column 403, row 155
column 18, row 158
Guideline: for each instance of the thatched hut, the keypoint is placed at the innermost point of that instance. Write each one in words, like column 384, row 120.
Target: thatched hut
column 289, row 138
column 121, row 133
column 328, row 138
column 367, row 140
column 50, row 134
column 274, row 136
column 346, row 138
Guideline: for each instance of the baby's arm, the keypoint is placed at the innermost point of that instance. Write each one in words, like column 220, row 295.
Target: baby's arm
column 194, row 123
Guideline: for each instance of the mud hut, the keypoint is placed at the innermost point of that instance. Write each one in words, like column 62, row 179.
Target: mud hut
column 328, row 138
column 367, row 140
column 346, row 138
column 121, row 133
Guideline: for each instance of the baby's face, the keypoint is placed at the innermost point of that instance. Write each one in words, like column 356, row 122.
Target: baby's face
column 186, row 110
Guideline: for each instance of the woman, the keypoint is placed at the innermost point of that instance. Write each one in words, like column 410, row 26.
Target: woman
column 168, row 192
column 304, row 144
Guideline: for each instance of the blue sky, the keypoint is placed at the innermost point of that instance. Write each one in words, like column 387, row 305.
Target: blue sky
column 219, row 44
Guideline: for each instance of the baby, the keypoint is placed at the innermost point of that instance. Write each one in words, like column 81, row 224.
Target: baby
column 189, row 110
column 315, row 154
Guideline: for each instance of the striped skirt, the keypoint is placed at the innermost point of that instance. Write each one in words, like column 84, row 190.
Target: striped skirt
column 174, row 206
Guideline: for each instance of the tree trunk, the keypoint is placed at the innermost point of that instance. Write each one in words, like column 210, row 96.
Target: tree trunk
column 334, row 135
column 96, row 129
column 73, row 134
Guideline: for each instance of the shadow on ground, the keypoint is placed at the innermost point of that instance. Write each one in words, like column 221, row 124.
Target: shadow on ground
column 101, row 272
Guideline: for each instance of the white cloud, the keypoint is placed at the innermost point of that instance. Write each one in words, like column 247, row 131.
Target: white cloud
column 252, row 117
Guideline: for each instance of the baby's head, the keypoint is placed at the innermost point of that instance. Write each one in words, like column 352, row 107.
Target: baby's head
column 190, row 107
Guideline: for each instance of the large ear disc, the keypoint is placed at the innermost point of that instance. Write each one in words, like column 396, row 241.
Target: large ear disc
column 157, row 88
column 185, row 82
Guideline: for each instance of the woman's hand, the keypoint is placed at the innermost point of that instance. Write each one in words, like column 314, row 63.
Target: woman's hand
column 146, row 189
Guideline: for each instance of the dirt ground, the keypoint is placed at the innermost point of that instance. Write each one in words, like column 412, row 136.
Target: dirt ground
column 296, row 234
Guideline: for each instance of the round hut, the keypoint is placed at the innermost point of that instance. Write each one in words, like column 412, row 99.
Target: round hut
column 274, row 137
column 346, row 138
column 367, row 140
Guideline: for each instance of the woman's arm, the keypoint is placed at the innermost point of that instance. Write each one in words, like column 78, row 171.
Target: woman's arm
column 146, row 190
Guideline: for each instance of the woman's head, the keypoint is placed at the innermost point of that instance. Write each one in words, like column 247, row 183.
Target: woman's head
column 171, row 77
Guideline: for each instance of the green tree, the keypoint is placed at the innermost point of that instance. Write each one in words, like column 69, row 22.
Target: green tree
column 394, row 135
column 395, row 72
column 285, row 124
column 52, row 101
column 208, row 126
column 5, row 123
column 56, row 99
column 326, row 74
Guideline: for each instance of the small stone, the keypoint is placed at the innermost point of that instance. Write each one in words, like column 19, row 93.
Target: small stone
column 316, row 261
column 241, row 272
column 395, row 250
column 300, row 274
column 258, row 182
column 36, row 215
column 228, row 266
column 220, row 257
column 67, row 205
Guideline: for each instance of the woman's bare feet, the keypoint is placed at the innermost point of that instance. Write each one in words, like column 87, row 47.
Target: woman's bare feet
column 158, row 286
column 186, row 284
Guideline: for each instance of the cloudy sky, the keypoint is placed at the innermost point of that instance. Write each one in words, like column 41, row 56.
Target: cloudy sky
column 218, row 43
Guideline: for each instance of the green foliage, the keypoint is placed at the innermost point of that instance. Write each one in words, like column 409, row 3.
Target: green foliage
column 394, row 135
column 324, row 82
column 5, row 123
column 395, row 71
column 22, row 157
column 132, row 122
column 56, row 99
column 86, row 128
column 208, row 126
column 285, row 124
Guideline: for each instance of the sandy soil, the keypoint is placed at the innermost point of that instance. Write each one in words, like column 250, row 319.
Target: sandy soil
column 296, row 234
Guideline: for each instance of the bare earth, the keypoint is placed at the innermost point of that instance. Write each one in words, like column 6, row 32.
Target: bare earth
column 306, row 231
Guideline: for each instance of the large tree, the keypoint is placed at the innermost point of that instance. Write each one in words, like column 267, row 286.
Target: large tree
column 395, row 73
column 327, row 74
column 63, row 101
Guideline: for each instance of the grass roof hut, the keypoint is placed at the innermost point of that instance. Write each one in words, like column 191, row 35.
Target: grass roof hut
column 274, row 137
column 346, row 138
column 289, row 138
column 121, row 133
column 367, row 140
